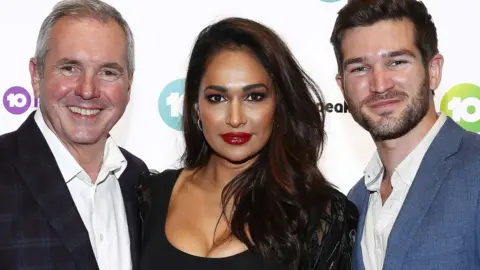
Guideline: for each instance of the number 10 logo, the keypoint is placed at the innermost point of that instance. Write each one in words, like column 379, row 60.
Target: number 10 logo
column 462, row 104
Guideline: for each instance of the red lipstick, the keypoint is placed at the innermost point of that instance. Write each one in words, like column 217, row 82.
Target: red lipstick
column 236, row 138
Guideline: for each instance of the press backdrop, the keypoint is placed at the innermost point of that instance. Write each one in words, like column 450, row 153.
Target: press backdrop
column 164, row 34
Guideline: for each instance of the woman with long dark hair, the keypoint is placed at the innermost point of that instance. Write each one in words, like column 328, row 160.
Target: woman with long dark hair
column 250, row 195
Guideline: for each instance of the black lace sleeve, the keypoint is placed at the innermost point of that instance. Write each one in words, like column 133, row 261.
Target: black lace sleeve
column 332, row 246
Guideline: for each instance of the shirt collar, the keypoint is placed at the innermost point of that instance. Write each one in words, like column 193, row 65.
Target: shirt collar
column 113, row 159
column 407, row 169
column 373, row 173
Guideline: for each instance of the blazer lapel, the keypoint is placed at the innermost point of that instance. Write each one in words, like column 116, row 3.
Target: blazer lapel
column 40, row 173
column 435, row 166
column 357, row 252
column 128, row 181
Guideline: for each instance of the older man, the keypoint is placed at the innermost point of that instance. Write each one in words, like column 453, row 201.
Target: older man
column 67, row 191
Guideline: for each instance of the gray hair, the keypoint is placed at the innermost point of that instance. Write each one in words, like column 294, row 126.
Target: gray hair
column 82, row 8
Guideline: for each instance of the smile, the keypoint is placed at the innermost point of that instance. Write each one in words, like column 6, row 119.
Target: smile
column 385, row 103
column 84, row 112
column 236, row 138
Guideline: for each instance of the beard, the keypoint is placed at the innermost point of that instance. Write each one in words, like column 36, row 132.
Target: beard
column 389, row 127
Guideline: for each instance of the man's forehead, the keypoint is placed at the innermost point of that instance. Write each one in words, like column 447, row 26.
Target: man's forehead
column 84, row 22
column 380, row 39
column 86, row 33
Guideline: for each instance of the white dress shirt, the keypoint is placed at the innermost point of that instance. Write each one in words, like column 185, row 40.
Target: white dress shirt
column 100, row 205
column 380, row 216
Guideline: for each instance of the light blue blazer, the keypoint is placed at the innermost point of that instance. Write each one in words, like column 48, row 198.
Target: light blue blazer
column 438, row 226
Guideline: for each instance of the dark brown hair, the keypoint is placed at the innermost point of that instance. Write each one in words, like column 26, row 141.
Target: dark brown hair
column 274, row 196
column 359, row 13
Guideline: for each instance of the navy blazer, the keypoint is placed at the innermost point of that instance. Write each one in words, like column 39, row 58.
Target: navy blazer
column 438, row 226
column 40, row 227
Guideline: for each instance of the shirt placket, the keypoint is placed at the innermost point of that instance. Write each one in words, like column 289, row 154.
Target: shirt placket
column 99, row 220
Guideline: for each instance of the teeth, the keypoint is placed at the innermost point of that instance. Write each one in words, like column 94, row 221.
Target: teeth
column 83, row 111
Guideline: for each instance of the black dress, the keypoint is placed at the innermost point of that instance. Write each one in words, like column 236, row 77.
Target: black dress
column 157, row 253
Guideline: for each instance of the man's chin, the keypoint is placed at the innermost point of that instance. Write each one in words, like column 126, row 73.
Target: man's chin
column 382, row 118
column 375, row 122
column 86, row 138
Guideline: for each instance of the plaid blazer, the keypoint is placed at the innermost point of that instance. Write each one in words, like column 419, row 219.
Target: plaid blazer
column 40, row 227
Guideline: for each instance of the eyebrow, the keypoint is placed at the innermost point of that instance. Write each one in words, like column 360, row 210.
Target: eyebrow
column 114, row 65
column 68, row 61
column 400, row 53
column 355, row 60
column 384, row 55
column 245, row 88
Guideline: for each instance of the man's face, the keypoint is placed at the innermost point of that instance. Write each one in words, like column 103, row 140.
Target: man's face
column 85, row 86
column 385, row 83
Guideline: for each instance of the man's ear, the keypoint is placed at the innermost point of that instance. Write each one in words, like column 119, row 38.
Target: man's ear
column 435, row 68
column 34, row 76
column 339, row 80
column 130, row 81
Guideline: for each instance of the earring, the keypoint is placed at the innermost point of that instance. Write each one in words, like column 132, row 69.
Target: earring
column 199, row 124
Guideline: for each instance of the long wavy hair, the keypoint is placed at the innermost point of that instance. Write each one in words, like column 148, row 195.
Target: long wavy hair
column 275, row 196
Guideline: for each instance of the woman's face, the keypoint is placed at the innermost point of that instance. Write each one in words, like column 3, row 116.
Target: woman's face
column 236, row 105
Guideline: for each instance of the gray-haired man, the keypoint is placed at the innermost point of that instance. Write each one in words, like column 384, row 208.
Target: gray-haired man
column 67, row 191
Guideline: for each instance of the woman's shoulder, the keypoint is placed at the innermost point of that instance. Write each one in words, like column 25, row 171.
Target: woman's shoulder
column 342, row 209
column 335, row 210
column 343, row 216
column 155, row 177
column 154, row 182
column 334, row 238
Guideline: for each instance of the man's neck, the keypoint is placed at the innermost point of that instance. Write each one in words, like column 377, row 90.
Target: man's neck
column 89, row 157
column 392, row 152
